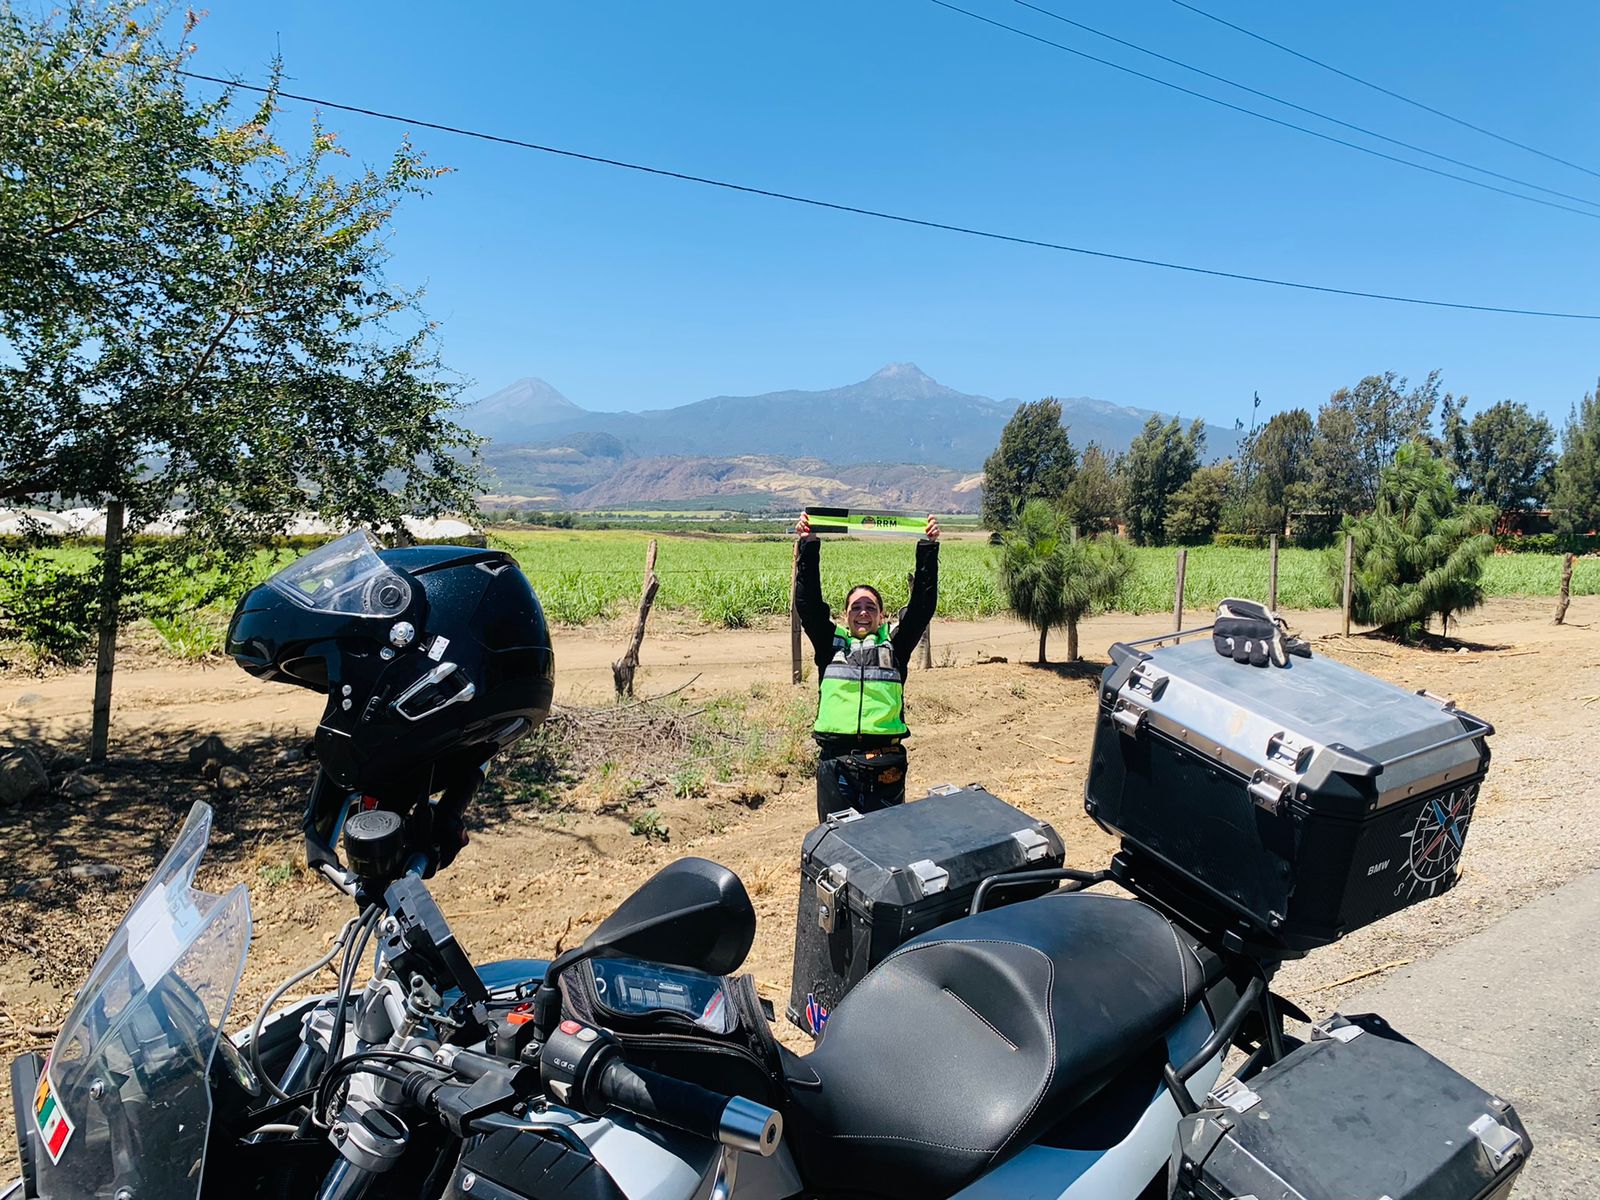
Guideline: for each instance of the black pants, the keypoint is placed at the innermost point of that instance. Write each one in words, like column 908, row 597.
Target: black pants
column 865, row 780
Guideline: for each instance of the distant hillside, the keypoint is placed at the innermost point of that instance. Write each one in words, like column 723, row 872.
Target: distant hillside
column 897, row 414
column 791, row 483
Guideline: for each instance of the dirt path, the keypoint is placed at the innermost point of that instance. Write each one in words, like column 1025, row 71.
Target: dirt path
column 533, row 881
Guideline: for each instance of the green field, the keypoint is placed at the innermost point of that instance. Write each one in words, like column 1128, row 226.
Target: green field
column 581, row 575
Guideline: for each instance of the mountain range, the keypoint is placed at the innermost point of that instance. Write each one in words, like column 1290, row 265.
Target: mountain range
column 896, row 439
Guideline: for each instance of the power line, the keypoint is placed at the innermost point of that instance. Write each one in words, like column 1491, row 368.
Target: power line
column 1372, row 133
column 1260, row 116
column 1378, row 87
column 854, row 210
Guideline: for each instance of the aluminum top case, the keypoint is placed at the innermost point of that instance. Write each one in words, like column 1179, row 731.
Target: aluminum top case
column 1290, row 804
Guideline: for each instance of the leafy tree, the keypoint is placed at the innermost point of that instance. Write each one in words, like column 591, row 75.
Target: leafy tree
column 1052, row 580
column 1034, row 460
column 1279, row 455
column 195, row 314
column 1510, row 456
column 1420, row 552
column 1094, row 497
column 1194, row 511
column 1576, row 501
column 1332, row 484
column 1455, row 444
column 1385, row 417
column 1158, row 463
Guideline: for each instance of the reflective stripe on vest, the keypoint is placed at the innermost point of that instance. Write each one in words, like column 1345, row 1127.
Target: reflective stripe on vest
column 861, row 691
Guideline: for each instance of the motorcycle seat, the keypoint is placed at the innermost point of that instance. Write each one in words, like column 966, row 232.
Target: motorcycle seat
column 967, row 1042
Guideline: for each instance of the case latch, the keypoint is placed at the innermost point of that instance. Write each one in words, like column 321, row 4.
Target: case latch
column 930, row 875
column 1269, row 791
column 1034, row 844
column 1147, row 680
column 1501, row 1144
column 1282, row 748
column 1235, row 1094
column 829, row 884
column 1130, row 717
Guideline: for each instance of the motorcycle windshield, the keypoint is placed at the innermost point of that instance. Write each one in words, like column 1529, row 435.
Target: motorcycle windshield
column 345, row 576
column 124, row 1100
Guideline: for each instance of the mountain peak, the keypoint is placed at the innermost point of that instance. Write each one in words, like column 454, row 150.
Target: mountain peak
column 903, row 373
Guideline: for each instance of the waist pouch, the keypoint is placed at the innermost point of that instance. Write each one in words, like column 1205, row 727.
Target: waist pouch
column 880, row 769
column 706, row 1029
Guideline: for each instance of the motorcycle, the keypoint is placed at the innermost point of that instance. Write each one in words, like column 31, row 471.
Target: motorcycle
column 1070, row 1045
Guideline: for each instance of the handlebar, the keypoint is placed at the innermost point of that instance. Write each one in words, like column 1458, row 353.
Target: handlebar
column 582, row 1068
column 733, row 1121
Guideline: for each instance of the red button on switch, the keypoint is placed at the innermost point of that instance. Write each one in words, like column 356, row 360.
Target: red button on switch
column 570, row 1027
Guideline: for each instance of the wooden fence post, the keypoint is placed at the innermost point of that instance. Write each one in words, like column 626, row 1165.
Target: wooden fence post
column 1272, row 577
column 106, row 654
column 1565, row 595
column 926, row 644
column 623, row 669
column 794, row 617
column 1177, row 602
column 1349, row 575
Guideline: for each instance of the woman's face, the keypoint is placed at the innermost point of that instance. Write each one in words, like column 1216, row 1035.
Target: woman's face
column 862, row 613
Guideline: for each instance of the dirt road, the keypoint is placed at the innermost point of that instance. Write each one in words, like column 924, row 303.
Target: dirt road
column 535, row 880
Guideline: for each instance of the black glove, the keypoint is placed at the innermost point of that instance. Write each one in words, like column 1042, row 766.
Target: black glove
column 1248, row 633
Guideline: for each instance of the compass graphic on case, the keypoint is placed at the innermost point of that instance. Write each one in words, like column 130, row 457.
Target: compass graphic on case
column 1435, row 841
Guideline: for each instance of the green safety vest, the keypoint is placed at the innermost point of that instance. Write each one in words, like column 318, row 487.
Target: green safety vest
column 861, row 688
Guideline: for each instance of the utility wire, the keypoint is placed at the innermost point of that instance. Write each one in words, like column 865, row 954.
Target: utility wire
column 1261, row 116
column 1372, row 133
column 1378, row 87
column 814, row 202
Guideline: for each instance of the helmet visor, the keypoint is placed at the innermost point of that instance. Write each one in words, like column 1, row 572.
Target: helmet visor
column 345, row 576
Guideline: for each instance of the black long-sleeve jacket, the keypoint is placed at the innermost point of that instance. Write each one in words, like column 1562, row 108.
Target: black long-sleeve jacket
column 818, row 623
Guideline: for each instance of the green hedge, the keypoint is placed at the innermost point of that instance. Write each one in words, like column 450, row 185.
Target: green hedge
column 1548, row 543
column 1242, row 541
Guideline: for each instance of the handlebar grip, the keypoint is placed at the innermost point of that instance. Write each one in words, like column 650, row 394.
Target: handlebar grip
column 735, row 1122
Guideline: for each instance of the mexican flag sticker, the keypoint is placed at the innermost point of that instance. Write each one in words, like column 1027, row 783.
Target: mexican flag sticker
column 55, row 1128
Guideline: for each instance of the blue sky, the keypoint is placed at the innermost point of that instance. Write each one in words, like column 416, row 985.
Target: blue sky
column 631, row 292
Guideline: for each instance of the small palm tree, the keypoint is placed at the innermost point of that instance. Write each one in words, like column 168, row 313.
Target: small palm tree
column 1033, row 569
column 1053, row 580
column 1096, row 569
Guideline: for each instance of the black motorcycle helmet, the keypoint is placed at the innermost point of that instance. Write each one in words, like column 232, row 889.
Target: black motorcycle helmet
column 428, row 655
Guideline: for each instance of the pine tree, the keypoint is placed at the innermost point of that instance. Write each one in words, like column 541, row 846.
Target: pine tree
column 1420, row 552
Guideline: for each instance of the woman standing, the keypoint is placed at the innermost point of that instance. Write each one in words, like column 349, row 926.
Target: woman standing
column 861, row 667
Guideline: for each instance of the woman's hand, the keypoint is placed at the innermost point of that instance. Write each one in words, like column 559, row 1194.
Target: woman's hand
column 802, row 527
column 931, row 530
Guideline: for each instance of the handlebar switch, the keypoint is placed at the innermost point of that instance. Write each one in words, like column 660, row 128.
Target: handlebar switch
column 572, row 1059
